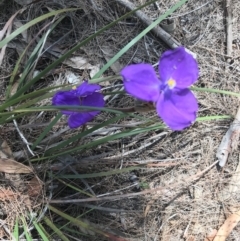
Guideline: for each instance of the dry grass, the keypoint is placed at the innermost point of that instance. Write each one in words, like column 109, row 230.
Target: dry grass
column 191, row 209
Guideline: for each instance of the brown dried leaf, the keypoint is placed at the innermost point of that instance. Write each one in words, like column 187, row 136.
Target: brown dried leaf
column 8, row 165
column 78, row 62
column 5, row 150
column 34, row 187
column 108, row 54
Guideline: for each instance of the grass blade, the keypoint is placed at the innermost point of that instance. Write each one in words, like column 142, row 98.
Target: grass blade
column 85, row 225
column 101, row 174
column 81, row 135
column 40, row 231
column 103, row 140
column 55, row 229
column 16, row 230
column 27, row 234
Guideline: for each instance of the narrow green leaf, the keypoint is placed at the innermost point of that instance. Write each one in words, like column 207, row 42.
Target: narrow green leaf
column 32, row 95
column 102, row 174
column 74, row 188
column 128, row 133
column 14, row 73
column 40, row 231
column 85, row 225
column 27, row 234
column 214, row 117
column 16, row 230
column 61, row 107
column 31, row 63
column 76, row 221
column 55, row 229
column 106, row 139
column 225, row 92
column 81, row 135
column 44, row 231
column 64, row 226
column 103, row 79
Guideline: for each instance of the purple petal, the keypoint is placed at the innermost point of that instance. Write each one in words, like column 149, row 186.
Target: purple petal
column 94, row 100
column 180, row 66
column 66, row 98
column 78, row 119
column 86, row 89
column 140, row 81
column 178, row 109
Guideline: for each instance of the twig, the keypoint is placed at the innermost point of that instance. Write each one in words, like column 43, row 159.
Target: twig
column 229, row 25
column 158, row 31
column 233, row 186
column 229, row 141
column 23, row 137
column 228, row 144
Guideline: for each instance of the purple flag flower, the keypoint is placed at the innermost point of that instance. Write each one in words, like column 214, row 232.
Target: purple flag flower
column 175, row 103
column 83, row 95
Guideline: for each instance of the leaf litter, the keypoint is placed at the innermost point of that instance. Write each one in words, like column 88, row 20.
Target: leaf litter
column 14, row 196
column 198, row 210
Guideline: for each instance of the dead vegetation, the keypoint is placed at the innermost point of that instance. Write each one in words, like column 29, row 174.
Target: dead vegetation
column 176, row 196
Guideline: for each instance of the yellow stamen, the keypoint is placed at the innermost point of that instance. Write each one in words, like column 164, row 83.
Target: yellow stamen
column 74, row 87
column 171, row 83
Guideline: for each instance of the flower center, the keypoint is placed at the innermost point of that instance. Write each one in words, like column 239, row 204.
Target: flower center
column 74, row 87
column 171, row 83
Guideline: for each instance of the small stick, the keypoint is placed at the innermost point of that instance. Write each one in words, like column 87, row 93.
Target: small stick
column 229, row 25
column 229, row 141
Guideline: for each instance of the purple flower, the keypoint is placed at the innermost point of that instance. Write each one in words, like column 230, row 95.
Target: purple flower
column 175, row 103
column 83, row 95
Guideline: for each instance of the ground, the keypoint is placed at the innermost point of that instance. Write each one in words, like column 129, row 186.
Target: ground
column 171, row 198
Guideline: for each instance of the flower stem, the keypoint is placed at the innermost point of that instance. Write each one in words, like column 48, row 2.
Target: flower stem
column 216, row 117
column 225, row 92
